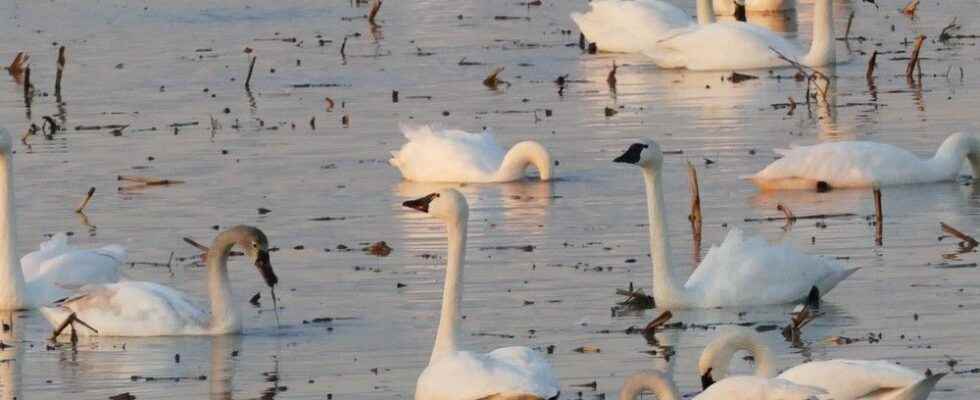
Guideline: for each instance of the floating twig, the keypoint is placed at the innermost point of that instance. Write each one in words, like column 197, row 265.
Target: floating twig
column 879, row 216
column 967, row 242
column 799, row 217
column 911, row 8
column 248, row 78
column 695, row 216
column 658, row 322
column 492, row 80
column 147, row 180
column 88, row 197
column 61, row 70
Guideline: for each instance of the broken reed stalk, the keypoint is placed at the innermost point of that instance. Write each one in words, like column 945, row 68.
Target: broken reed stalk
column 343, row 48
column 17, row 66
column 847, row 32
column 88, row 197
column 657, row 322
column 72, row 318
column 967, row 240
column 914, row 60
column 872, row 63
column 196, row 245
column 61, row 70
column 27, row 86
column 248, row 78
column 879, row 217
column 147, row 180
column 492, row 81
column 375, row 7
column 910, row 8
column 611, row 78
column 695, row 215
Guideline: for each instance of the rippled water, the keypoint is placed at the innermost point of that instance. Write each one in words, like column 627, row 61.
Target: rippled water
column 149, row 65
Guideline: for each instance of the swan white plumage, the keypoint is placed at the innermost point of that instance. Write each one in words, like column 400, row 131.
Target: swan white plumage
column 735, row 45
column 740, row 272
column 733, row 388
column 454, row 374
column 451, row 155
column 842, row 379
column 50, row 273
column 727, row 7
column 865, row 164
column 630, row 26
column 135, row 308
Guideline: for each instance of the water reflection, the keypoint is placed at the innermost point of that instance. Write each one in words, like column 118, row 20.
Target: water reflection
column 224, row 356
column 11, row 356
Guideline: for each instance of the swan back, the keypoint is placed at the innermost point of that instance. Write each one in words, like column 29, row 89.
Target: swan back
column 447, row 155
column 622, row 26
column 721, row 46
column 853, row 379
column 745, row 387
column 506, row 373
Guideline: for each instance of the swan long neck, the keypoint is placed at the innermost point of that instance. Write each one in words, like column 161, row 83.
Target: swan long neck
column 719, row 353
column 13, row 294
column 822, row 47
column 225, row 316
column 949, row 157
column 706, row 12
column 661, row 386
column 667, row 292
column 452, row 292
column 520, row 156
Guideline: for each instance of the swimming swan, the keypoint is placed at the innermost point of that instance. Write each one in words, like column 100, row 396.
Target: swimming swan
column 728, row 7
column 510, row 373
column 630, row 26
column 865, row 164
column 735, row 45
column 740, row 272
column 734, row 388
column 451, row 155
column 135, row 308
column 842, row 379
column 50, row 273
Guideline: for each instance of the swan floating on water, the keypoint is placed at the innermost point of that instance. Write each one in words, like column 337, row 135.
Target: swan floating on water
column 728, row 7
column 733, row 388
column 736, row 45
column 740, row 272
column 135, row 308
column 842, row 379
column 630, row 26
column 864, row 164
column 453, row 374
column 50, row 273
column 452, row 155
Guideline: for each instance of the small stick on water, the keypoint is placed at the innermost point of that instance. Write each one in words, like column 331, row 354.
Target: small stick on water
column 695, row 216
column 872, row 63
column 248, row 79
column 658, row 322
column 375, row 7
column 61, row 70
column 492, row 81
column 910, row 8
column 879, row 217
column 147, row 181
column 88, row 197
column 343, row 47
column 197, row 245
column 847, row 32
column 914, row 61
column 967, row 241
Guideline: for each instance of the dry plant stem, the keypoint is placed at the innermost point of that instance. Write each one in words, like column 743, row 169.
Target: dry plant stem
column 491, row 81
column 61, row 70
column 968, row 240
column 375, row 7
column 695, row 216
column 879, row 217
column 847, row 32
column 147, row 180
column 196, row 245
column 872, row 63
column 248, row 78
column 914, row 61
column 658, row 322
column 811, row 77
column 69, row 322
column 85, row 201
column 910, row 8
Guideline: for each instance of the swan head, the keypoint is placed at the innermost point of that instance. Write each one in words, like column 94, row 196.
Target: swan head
column 524, row 153
column 447, row 204
column 256, row 246
column 713, row 364
column 645, row 153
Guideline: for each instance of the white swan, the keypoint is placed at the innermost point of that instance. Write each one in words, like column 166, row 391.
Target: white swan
column 48, row 274
column 864, row 164
column 630, row 26
column 727, row 7
column 734, row 45
column 453, row 374
column 842, row 379
column 134, row 308
column 733, row 388
column 451, row 155
column 740, row 272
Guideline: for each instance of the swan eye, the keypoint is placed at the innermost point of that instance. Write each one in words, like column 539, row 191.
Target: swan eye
column 255, row 244
column 645, row 145
column 437, row 195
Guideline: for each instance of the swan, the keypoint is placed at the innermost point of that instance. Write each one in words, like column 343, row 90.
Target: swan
column 865, row 164
column 733, row 388
column 509, row 373
column 728, row 7
column 48, row 274
column 734, row 45
column 842, row 379
column 136, row 308
column 740, row 272
column 630, row 26
column 451, row 155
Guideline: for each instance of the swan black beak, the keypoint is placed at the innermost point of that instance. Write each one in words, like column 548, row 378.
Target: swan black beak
column 265, row 268
column 707, row 380
column 421, row 204
column 632, row 154
column 740, row 12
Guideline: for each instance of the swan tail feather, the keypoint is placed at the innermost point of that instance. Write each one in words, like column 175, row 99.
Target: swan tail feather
column 918, row 391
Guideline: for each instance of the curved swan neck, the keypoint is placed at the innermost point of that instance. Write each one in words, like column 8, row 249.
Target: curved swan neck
column 719, row 353
column 13, row 294
column 225, row 316
column 661, row 386
column 520, row 156
column 452, row 292
column 949, row 157
column 706, row 12
column 822, row 47
column 666, row 291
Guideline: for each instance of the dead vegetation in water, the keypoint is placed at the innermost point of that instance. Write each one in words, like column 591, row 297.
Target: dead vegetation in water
column 635, row 299
column 493, row 80
column 910, row 8
column 966, row 244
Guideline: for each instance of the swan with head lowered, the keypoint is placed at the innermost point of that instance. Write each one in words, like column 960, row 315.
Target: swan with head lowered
column 741, row 272
column 730, row 7
column 630, row 26
column 733, row 388
column 451, row 155
column 865, row 164
column 735, row 45
column 842, row 379
column 135, row 308
column 53, row 271
column 509, row 373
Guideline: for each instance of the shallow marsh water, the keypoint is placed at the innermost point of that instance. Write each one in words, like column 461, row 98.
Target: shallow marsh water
column 152, row 65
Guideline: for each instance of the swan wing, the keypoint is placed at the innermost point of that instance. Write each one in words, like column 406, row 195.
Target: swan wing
column 629, row 26
column 31, row 262
column 853, row 379
column 447, row 155
column 132, row 308
column 745, row 387
column 845, row 164
column 721, row 46
column 749, row 271
column 505, row 372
